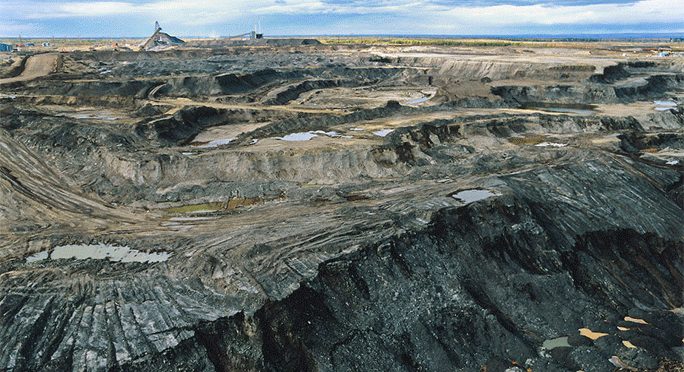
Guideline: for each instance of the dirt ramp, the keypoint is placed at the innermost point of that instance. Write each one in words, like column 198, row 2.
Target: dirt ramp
column 24, row 176
column 37, row 66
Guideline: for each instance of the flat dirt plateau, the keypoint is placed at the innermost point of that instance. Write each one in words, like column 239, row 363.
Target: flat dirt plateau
column 319, row 207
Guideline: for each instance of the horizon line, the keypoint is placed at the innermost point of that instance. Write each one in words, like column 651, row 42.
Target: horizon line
column 594, row 36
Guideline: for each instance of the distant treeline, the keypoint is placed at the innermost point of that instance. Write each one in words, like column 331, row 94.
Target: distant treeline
column 416, row 41
column 478, row 42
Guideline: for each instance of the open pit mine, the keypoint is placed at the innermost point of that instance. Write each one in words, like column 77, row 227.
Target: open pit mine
column 292, row 205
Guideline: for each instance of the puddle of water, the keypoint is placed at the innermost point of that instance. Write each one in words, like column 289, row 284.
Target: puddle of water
column 553, row 144
column 357, row 129
column 416, row 101
column 383, row 132
column 469, row 196
column 332, row 134
column 37, row 257
column 567, row 108
column 673, row 162
column 556, row 342
column 305, row 136
column 214, row 143
column 664, row 105
column 99, row 252
column 95, row 117
column 253, row 141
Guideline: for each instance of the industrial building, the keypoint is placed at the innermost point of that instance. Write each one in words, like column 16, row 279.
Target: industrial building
column 5, row 47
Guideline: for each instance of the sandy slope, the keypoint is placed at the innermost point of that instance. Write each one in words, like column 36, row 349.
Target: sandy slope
column 36, row 66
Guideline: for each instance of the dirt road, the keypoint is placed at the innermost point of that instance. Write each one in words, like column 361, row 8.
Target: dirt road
column 37, row 66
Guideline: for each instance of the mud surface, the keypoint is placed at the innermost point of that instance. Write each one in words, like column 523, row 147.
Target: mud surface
column 335, row 208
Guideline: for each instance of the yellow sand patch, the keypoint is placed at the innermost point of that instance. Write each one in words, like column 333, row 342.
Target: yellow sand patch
column 528, row 140
column 214, row 207
column 586, row 332
column 605, row 140
column 635, row 320
column 629, row 344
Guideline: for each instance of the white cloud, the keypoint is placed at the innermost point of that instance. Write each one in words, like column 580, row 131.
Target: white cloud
column 95, row 9
column 189, row 12
column 420, row 16
column 658, row 11
column 15, row 29
column 293, row 7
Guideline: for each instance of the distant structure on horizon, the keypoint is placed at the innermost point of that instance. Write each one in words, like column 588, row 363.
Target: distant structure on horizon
column 160, row 40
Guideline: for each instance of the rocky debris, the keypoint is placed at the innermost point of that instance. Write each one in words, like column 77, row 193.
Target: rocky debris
column 654, row 87
column 611, row 74
column 357, row 248
column 13, row 68
column 283, row 95
column 163, row 41
column 275, row 42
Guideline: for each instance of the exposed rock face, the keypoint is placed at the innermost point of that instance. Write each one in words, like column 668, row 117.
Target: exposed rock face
column 342, row 210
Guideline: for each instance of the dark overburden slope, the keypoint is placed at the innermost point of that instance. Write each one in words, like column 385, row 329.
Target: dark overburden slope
column 492, row 281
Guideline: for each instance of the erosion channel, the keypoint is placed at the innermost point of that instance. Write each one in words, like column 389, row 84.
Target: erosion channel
column 329, row 207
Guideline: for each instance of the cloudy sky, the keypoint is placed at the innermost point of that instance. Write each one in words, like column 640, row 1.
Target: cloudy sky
column 135, row 18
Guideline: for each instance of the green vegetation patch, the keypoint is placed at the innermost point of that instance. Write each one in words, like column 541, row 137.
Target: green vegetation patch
column 195, row 208
column 527, row 140
column 213, row 207
column 420, row 41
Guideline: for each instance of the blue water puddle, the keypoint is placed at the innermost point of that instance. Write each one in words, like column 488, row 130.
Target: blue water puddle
column 664, row 105
column 552, row 144
column 99, row 252
column 305, row 136
column 417, row 101
column 383, row 132
column 556, row 342
column 564, row 108
column 473, row 195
